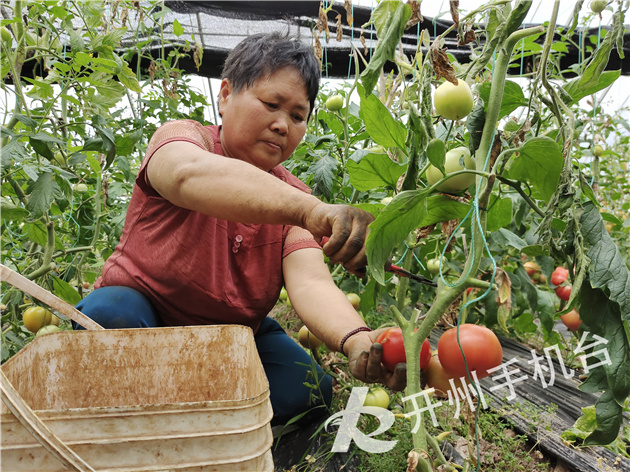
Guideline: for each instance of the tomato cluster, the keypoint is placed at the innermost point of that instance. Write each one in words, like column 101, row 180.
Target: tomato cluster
column 559, row 278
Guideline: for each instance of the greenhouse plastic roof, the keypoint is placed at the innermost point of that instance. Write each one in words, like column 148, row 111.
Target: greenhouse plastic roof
column 220, row 25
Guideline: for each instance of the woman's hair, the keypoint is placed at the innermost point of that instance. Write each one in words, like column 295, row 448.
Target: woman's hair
column 260, row 55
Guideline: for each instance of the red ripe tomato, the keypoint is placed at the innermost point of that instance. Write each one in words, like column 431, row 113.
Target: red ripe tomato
column 531, row 268
column 559, row 276
column 564, row 292
column 481, row 347
column 571, row 320
column 394, row 349
column 425, row 354
column 438, row 378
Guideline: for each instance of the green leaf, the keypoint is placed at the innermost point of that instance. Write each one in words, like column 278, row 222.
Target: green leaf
column 323, row 171
column 504, row 237
column 392, row 27
column 15, row 150
column 40, row 143
column 546, row 309
column 475, row 123
column 392, row 226
column 10, row 211
column 436, row 152
column 597, row 64
column 499, row 213
column 609, row 420
column 65, row 291
column 129, row 79
column 607, row 269
column 443, row 208
column 109, row 141
column 539, row 162
column 513, row 97
column 578, row 92
column 601, row 317
column 42, row 194
column 76, row 41
column 178, row 30
column 380, row 124
column 25, row 120
column 374, row 171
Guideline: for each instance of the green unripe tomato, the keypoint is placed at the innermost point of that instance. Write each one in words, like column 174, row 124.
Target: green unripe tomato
column 5, row 34
column 59, row 159
column 334, row 103
column 283, row 294
column 81, row 188
column 598, row 6
column 458, row 183
column 386, row 200
column 433, row 265
column 47, row 330
column 453, row 102
column 377, row 397
column 598, row 150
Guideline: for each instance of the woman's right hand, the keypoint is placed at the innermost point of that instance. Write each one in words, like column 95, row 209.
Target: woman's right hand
column 347, row 227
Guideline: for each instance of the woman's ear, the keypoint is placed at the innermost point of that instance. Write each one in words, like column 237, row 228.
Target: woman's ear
column 224, row 93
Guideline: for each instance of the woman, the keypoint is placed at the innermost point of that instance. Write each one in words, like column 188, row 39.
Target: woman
column 216, row 226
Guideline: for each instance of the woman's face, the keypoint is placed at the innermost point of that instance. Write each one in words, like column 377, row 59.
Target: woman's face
column 263, row 124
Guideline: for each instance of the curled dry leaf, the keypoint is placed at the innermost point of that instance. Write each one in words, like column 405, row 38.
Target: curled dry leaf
column 339, row 28
column 469, row 35
column 496, row 149
column 455, row 11
column 412, row 461
column 362, row 39
column 318, row 48
column 322, row 24
column 441, row 65
column 348, row 6
column 416, row 16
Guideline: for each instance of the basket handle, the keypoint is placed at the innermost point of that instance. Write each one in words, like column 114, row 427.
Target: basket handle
column 43, row 295
column 39, row 430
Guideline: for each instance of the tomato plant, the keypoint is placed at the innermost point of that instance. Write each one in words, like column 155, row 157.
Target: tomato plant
column 482, row 350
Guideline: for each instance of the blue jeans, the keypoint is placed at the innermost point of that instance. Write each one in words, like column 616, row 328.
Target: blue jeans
column 286, row 364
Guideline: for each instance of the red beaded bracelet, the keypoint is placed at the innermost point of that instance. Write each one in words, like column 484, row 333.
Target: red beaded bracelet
column 350, row 334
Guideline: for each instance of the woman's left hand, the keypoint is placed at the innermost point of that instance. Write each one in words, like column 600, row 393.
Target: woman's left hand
column 364, row 357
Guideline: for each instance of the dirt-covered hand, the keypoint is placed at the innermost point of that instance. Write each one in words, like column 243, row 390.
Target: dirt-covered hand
column 364, row 358
column 347, row 227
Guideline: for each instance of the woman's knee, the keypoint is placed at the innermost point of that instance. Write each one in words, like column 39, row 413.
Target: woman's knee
column 118, row 307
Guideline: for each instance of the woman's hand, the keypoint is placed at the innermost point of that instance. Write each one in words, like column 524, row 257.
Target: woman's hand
column 347, row 227
column 364, row 357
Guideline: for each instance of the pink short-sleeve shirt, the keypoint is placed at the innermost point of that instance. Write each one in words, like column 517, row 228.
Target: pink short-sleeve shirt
column 196, row 269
